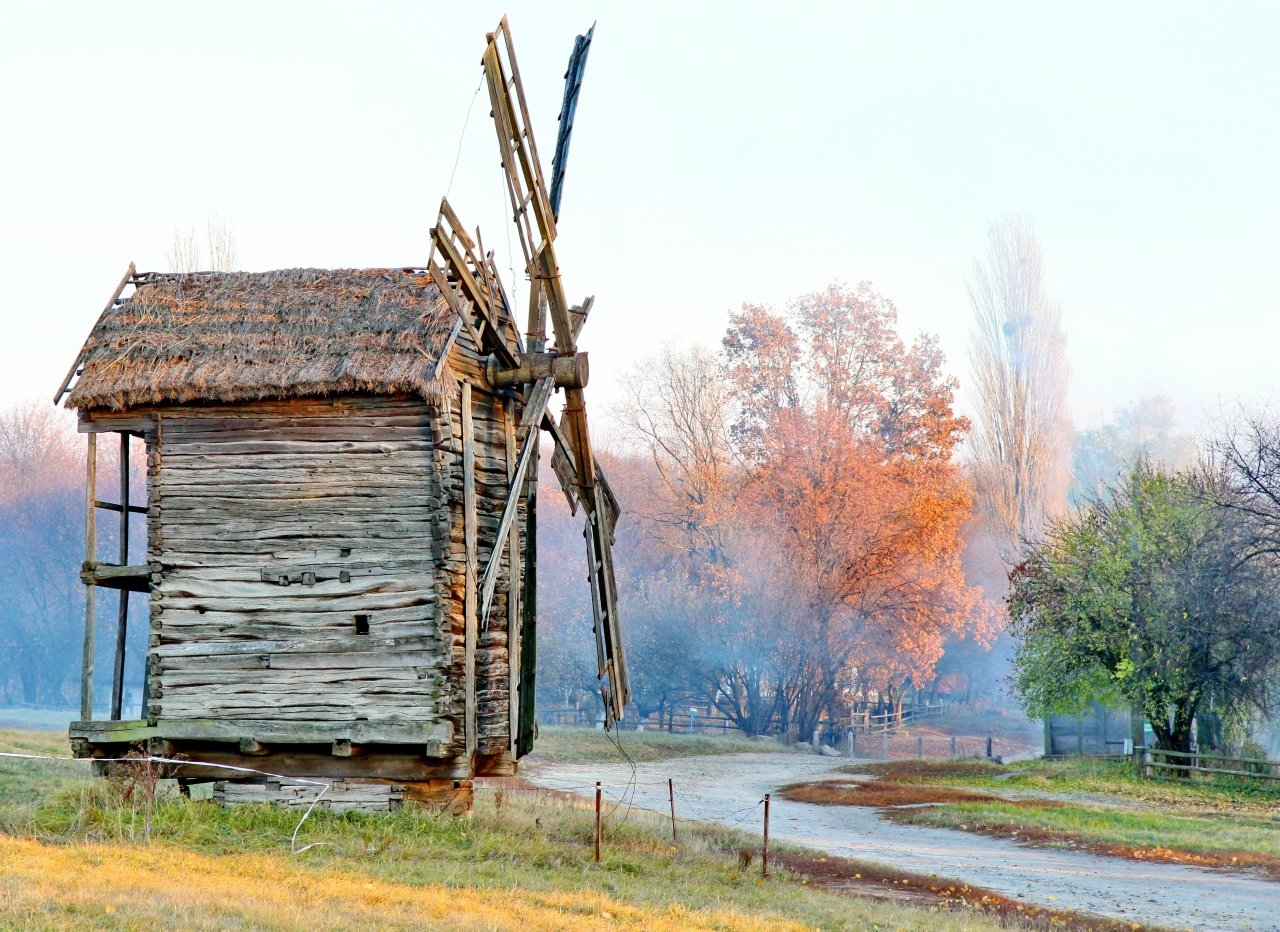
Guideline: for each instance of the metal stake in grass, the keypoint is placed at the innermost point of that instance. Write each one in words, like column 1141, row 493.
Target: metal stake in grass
column 671, row 795
column 149, row 789
column 764, row 853
column 597, row 821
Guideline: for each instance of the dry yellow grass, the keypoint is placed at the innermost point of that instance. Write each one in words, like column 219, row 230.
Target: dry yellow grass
column 72, row 856
column 163, row 886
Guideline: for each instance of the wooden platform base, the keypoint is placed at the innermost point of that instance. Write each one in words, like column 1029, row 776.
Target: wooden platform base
column 365, row 752
column 447, row 796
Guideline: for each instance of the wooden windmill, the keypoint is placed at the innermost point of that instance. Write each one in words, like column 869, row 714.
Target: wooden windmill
column 340, row 509
column 533, row 369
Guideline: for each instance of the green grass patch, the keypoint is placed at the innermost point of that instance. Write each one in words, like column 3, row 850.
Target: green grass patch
column 1083, row 775
column 1097, row 804
column 589, row 746
column 16, row 716
column 1144, row 830
column 25, row 783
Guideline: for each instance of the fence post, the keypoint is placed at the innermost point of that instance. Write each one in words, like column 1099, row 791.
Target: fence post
column 920, row 746
column 988, row 745
column 853, row 740
column 953, row 745
column 671, row 794
column 597, row 821
column 884, row 745
column 764, row 855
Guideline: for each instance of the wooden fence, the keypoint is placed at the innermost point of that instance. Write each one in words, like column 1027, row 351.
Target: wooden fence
column 1181, row 765
column 832, row 733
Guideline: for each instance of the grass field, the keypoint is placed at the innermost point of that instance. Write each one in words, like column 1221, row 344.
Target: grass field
column 1228, row 841
column 72, row 854
column 588, row 745
column 16, row 716
column 1100, row 805
column 1084, row 775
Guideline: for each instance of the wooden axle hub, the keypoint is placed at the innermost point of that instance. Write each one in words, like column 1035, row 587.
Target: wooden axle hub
column 568, row 370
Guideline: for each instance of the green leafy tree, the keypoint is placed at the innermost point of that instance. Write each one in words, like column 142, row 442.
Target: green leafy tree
column 1148, row 593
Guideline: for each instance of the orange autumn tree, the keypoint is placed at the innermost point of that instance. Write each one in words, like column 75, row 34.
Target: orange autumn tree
column 847, row 436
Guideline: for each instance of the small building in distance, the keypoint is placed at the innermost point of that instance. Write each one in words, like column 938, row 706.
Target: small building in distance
column 1098, row 731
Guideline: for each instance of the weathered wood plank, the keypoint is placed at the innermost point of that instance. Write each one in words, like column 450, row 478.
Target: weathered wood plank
column 279, row 447
column 181, row 585
column 298, row 681
column 513, row 590
column 276, row 647
column 469, row 525
column 529, row 615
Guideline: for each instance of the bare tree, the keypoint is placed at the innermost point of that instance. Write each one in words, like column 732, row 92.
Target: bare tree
column 222, row 245
column 41, row 514
column 186, row 254
column 1021, row 440
column 676, row 412
column 1249, row 449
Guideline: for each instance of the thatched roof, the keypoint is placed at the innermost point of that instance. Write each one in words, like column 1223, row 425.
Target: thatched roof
column 247, row 336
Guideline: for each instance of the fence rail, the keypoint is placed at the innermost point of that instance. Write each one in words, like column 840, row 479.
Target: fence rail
column 863, row 721
column 1182, row 765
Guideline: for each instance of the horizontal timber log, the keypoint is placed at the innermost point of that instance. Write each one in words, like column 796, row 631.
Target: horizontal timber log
column 180, row 585
column 347, row 645
column 265, row 730
column 371, row 602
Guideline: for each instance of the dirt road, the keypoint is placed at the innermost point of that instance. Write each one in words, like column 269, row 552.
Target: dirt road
column 726, row 789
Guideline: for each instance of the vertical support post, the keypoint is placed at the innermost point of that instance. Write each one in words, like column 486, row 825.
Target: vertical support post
column 122, row 617
column 919, row 746
column 853, row 741
column 764, row 853
column 1137, row 730
column 513, row 591
column 529, row 607
column 671, row 795
column 154, row 442
column 145, row 710
column 953, row 745
column 470, row 622
column 597, row 821
column 91, row 592
column 989, row 742
column 884, row 745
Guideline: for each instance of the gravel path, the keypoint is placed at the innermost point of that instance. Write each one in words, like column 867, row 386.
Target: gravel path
column 725, row 789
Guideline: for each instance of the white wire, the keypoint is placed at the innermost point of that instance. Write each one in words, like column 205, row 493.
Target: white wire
column 293, row 839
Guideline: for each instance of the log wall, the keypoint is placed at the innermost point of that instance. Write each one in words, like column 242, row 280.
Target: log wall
column 489, row 417
column 310, row 567
column 295, row 550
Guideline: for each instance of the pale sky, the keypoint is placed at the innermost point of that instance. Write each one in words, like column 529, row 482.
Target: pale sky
column 723, row 153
